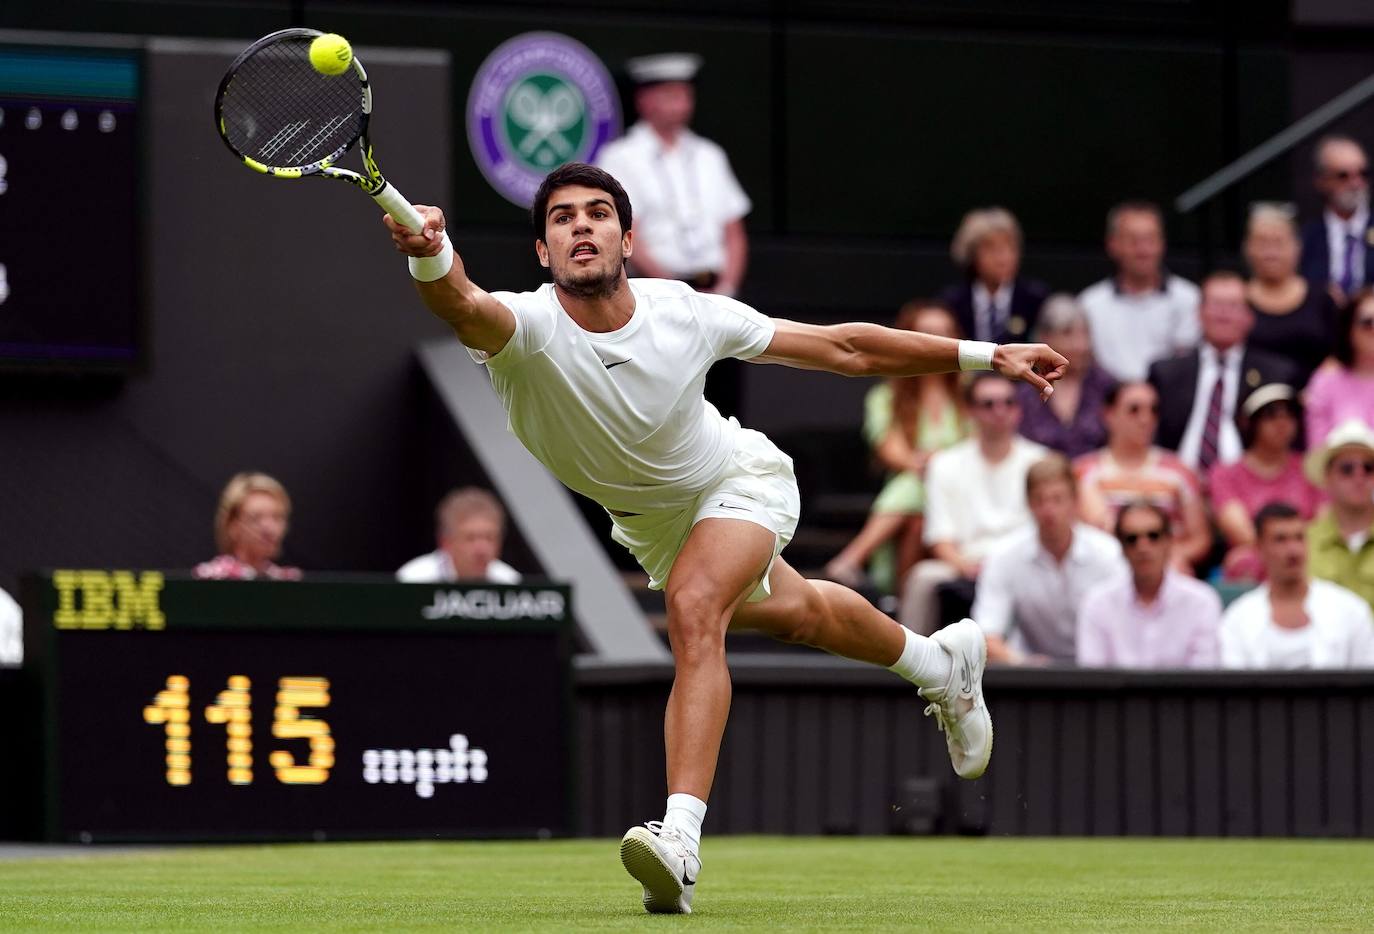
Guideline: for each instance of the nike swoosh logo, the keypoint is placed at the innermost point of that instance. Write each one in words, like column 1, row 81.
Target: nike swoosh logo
column 728, row 506
column 967, row 675
column 686, row 879
column 612, row 366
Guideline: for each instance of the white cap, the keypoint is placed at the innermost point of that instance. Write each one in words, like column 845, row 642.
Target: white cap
column 1351, row 433
column 670, row 66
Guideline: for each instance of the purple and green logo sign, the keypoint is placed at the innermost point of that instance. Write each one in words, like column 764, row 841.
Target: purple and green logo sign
column 540, row 100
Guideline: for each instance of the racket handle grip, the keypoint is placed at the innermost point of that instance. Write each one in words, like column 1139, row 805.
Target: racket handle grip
column 401, row 210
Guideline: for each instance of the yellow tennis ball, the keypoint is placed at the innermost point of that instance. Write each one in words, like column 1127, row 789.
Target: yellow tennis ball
column 331, row 54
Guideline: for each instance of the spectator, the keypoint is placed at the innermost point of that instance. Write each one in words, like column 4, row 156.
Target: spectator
column 1153, row 616
column 1071, row 422
column 1342, row 538
column 1269, row 471
column 250, row 525
column 11, row 632
column 1142, row 313
column 1032, row 584
column 1132, row 468
column 1203, row 390
column 1335, row 247
column 1293, row 319
column 1344, row 389
column 993, row 303
column 689, row 208
column 470, row 526
column 975, row 495
column 905, row 421
column 1293, row 621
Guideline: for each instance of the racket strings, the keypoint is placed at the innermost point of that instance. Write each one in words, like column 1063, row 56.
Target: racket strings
column 281, row 112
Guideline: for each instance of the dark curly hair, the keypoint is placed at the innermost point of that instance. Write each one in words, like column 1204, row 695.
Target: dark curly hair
column 578, row 173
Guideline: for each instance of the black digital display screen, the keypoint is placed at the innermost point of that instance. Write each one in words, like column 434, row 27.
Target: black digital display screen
column 69, row 216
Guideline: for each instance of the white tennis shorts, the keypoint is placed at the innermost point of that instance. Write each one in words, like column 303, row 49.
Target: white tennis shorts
column 757, row 486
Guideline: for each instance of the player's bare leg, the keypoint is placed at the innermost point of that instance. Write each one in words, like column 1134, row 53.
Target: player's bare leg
column 947, row 667
column 717, row 569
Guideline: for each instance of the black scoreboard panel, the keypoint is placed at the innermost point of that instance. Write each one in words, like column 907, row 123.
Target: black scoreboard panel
column 69, row 162
column 238, row 710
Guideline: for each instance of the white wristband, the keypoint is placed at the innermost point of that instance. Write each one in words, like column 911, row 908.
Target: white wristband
column 974, row 355
column 429, row 268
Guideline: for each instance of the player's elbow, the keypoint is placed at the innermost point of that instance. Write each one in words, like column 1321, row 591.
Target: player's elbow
column 850, row 358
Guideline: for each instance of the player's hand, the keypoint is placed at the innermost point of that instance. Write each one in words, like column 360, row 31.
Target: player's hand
column 1036, row 364
column 426, row 242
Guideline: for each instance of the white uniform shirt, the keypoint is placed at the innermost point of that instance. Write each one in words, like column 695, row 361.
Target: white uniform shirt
column 620, row 417
column 1337, row 229
column 437, row 568
column 11, row 631
column 1229, row 448
column 974, row 504
column 1023, row 586
column 1130, row 332
column 1340, row 634
column 682, row 197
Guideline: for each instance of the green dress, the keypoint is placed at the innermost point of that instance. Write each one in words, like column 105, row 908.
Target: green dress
column 904, row 493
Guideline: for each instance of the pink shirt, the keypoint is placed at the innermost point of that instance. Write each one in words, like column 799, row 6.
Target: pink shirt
column 1237, row 482
column 1333, row 395
column 1179, row 630
column 229, row 568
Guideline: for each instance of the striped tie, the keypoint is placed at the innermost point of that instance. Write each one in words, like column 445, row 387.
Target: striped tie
column 1211, row 430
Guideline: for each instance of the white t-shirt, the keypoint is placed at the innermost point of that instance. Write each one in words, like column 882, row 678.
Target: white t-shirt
column 975, row 504
column 11, row 631
column 437, row 568
column 1130, row 332
column 620, row 417
column 1340, row 633
column 682, row 197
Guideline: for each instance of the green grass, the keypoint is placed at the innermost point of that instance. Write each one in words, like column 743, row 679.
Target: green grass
column 749, row 883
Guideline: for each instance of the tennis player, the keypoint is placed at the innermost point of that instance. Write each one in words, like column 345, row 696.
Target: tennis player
column 602, row 377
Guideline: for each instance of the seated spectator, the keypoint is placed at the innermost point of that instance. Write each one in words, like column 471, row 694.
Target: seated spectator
column 1341, row 540
column 1293, row 621
column 993, row 303
column 905, row 421
column 1269, row 471
column 11, row 632
column 1142, row 313
column 1344, row 388
column 1032, row 584
column 1336, row 246
column 1153, row 616
column 975, row 496
column 250, row 525
column 1293, row 319
column 1202, row 390
column 1071, row 422
column 1131, row 468
column 469, row 527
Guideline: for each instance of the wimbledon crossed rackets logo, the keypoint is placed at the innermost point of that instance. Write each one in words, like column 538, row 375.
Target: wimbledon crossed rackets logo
column 538, row 101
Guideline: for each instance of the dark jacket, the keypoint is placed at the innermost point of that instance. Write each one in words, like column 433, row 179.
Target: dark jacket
column 1175, row 379
column 1027, row 296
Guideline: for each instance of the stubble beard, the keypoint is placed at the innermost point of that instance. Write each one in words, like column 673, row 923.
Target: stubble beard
column 601, row 286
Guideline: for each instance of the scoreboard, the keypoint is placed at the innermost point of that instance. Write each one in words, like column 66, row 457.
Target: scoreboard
column 69, row 207
column 180, row 709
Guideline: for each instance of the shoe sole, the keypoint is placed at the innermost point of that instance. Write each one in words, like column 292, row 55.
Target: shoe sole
column 662, row 888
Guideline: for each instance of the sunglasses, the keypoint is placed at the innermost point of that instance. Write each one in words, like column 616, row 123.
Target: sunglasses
column 1345, row 175
column 988, row 405
column 1350, row 468
column 1135, row 408
column 1131, row 539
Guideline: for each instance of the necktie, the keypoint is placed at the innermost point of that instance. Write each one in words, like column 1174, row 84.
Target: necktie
column 1348, row 271
column 1211, row 429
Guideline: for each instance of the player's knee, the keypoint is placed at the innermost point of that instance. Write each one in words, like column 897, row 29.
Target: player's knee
column 695, row 621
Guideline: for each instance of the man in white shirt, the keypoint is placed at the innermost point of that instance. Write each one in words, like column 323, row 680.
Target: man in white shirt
column 975, row 498
column 1335, row 246
column 11, row 632
column 602, row 379
column 470, row 526
column 1200, row 392
column 1033, row 584
column 1142, row 313
column 1294, row 621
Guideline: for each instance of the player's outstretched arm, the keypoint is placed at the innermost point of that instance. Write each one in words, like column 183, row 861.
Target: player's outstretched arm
column 480, row 321
column 862, row 349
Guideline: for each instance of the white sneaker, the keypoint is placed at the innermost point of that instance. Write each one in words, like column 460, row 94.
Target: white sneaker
column 660, row 861
column 958, row 707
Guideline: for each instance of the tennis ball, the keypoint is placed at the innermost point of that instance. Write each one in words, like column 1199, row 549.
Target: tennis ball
column 331, row 54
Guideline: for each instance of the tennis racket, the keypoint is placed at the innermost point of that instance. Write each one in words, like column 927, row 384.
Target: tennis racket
column 283, row 118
